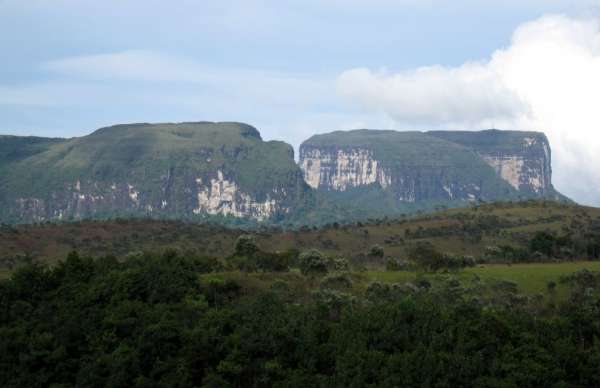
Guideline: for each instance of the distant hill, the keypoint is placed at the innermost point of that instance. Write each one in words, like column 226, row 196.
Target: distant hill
column 392, row 172
column 225, row 172
column 187, row 171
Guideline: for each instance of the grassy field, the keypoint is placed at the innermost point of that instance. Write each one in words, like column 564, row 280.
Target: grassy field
column 531, row 279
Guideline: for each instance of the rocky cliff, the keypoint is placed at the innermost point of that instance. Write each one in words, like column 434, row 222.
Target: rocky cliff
column 412, row 166
column 187, row 170
column 226, row 172
column 523, row 159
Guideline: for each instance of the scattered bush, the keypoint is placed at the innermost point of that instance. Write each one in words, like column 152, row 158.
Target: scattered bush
column 313, row 262
column 376, row 251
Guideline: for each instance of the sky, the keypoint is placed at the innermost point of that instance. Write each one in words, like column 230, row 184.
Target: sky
column 293, row 68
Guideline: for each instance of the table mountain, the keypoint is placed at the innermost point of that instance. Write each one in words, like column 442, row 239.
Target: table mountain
column 186, row 170
column 226, row 172
column 390, row 171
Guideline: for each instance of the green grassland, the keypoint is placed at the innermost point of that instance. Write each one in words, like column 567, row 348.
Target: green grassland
column 530, row 279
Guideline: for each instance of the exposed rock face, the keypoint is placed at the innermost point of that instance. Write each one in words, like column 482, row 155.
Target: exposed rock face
column 409, row 166
column 339, row 169
column 523, row 159
column 224, row 197
column 187, row 170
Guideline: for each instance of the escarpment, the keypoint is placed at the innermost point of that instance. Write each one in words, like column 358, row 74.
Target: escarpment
column 187, row 171
column 412, row 166
column 523, row 159
column 225, row 172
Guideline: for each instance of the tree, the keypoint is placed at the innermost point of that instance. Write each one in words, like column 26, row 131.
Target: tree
column 245, row 245
column 312, row 262
column 376, row 251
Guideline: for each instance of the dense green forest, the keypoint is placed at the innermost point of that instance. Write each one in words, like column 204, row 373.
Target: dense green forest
column 492, row 296
column 157, row 321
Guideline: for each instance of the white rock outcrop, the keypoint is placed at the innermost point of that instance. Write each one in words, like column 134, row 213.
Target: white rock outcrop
column 221, row 196
column 342, row 169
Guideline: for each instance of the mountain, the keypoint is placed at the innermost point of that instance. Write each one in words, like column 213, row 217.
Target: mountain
column 186, row 170
column 392, row 172
column 227, row 173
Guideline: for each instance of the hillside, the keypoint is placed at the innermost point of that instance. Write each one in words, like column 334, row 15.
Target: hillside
column 226, row 173
column 390, row 172
column 186, row 170
column 483, row 232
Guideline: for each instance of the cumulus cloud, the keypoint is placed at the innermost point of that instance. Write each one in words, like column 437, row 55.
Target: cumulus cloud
column 468, row 94
column 547, row 79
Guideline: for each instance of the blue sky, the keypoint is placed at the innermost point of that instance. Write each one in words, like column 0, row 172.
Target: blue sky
column 294, row 68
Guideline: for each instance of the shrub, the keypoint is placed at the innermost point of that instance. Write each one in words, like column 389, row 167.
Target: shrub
column 376, row 251
column 393, row 264
column 312, row 262
column 338, row 264
column 245, row 245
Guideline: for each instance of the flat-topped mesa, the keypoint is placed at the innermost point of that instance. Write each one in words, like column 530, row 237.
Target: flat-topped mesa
column 412, row 166
column 185, row 170
column 523, row 159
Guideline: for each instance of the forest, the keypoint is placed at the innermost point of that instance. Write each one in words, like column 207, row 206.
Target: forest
column 168, row 320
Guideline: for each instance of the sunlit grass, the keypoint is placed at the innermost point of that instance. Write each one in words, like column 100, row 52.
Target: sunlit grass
column 531, row 278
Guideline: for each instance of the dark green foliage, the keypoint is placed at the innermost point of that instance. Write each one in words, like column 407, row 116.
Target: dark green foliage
column 150, row 322
column 544, row 243
column 248, row 257
column 376, row 251
column 430, row 259
column 312, row 262
column 507, row 254
column 245, row 245
column 392, row 264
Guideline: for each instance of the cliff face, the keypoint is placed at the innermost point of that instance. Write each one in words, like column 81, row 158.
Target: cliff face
column 523, row 159
column 415, row 167
column 340, row 169
column 199, row 170
column 188, row 170
column 410, row 166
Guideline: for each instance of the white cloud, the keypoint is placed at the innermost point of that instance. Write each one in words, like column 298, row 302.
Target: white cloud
column 468, row 94
column 548, row 79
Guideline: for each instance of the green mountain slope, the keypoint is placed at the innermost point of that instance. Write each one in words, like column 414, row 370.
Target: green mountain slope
column 397, row 172
column 175, row 170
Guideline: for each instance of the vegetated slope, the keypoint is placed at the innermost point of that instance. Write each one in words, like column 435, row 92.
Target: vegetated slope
column 225, row 172
column 381, row 172
column 493, row 232
column 185, row 170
